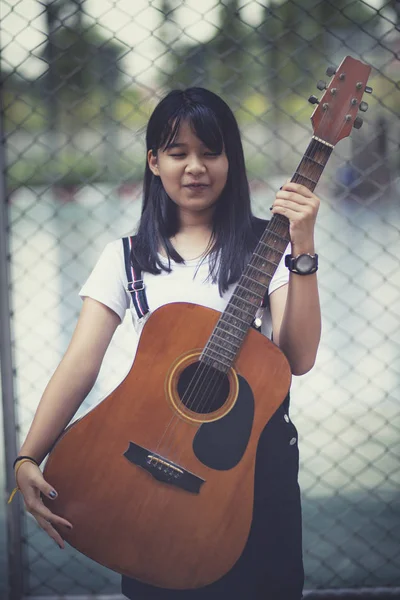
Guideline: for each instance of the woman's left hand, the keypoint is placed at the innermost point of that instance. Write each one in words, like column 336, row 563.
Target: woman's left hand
column 300, row 206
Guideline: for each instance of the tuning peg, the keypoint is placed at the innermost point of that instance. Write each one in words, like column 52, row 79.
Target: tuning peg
column 357, row 122
column 363, row 106
column 331, row 71
column 313, row 100
column 368, row 89
column 321, row 85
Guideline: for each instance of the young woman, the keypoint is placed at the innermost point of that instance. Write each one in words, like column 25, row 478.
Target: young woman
column 194, row 238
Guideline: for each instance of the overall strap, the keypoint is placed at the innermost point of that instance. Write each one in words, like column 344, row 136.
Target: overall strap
column 135, row 280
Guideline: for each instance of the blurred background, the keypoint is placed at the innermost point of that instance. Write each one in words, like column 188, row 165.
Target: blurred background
column 79, row 81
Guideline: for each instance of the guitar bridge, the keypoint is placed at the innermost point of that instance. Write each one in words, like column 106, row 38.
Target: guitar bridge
column 162, row 469
column 162, row 465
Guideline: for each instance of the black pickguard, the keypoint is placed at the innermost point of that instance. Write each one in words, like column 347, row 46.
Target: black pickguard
column 221, row 444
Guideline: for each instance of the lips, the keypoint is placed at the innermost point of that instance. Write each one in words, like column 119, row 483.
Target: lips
column 196, row 187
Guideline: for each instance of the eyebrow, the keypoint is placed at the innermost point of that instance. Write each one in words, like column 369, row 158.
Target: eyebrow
column 180, row 145
column 175, row 145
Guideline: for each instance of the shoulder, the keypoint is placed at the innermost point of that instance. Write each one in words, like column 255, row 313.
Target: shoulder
column 116, row 247
column 111, row 258
column 113, row 250
column 108, row 281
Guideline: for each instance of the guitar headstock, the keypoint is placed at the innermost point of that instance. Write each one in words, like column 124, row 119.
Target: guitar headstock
column 337, row 110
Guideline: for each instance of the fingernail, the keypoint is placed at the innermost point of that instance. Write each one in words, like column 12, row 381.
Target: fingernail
column 53, row 494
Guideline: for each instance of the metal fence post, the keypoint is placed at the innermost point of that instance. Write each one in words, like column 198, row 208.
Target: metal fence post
column 13, row 511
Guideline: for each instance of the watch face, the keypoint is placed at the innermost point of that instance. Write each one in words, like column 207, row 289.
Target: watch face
column 304, row 263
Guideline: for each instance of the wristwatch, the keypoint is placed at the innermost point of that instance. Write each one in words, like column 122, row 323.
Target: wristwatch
column 303, row 264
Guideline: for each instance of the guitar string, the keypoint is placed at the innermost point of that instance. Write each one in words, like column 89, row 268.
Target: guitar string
column 240, row 296
column 196, row 392
column 216, row 380
column 314, row 146
column 204, row 373
column 203, row 393
column 217, row 377
column 257, row 260
column 314, row 170
column 210, row 380
column 209, row 375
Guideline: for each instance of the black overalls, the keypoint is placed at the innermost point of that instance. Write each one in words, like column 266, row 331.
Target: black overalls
column 271, row 565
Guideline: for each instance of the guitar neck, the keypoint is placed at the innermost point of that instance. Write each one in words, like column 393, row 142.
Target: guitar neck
column 233, row 325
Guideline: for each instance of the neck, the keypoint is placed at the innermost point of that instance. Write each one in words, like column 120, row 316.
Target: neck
column 193, row 238
column 195, row 222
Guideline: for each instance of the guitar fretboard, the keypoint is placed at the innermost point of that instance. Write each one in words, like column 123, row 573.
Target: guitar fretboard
column 233, row 324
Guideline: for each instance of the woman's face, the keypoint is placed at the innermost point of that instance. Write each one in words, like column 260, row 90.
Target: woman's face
column 192, row 175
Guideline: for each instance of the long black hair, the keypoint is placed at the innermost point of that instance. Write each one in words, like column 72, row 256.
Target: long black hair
column 233, row 235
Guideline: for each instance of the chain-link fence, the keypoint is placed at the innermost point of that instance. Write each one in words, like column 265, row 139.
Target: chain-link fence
column 79, row 80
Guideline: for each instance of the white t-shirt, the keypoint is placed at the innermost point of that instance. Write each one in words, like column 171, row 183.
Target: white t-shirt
column 187, row 282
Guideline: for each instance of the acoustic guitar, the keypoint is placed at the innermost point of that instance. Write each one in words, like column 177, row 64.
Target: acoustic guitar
column 158, row 478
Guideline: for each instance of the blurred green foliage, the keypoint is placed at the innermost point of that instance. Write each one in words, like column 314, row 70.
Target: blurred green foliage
column 69, row 169
column 265, row 73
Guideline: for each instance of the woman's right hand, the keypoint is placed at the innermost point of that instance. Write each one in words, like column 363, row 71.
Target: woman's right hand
column 31, row 484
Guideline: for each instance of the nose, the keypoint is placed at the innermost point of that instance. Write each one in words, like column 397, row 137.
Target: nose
column 195, row 165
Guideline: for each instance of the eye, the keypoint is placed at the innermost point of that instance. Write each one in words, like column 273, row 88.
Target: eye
column 177, row 155
column 212, row 154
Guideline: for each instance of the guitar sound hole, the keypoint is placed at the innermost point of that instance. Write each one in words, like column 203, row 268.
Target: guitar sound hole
column 202, row 388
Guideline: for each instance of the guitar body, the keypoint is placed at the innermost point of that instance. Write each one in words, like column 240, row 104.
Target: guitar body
column 181, row 518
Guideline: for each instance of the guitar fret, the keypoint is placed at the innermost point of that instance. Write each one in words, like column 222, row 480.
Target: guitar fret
column 270, row 232
column 305, row 177
column 263, row 286
column 265, row 259
column 244, row 300
column 208, row 360
column 230, row 324
column 221, row 337
column 252, row 291
column 280, row 219
column 225, row 364
column 314, row 161
column 220, row 348
column 237, row 319
column 268, row 268
column 241, row 310
column 260, row 271
column 281, row 243
column 227, row 331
